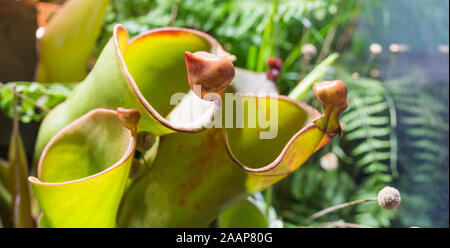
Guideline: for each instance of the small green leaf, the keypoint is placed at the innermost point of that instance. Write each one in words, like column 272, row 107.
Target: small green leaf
column 18, row 173
column 314, row 76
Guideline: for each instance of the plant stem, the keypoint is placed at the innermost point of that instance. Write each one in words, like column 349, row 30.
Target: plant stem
column 334, row 208
column 305, row 64
column 173, row 14
column 267, row 35
column 344, row 224
column 330, row 35
column 393, row 135
column 326, row 45
column 348, row 33
column 269, row 197
column 392, row 66
column 369, row 63
column 252, row 57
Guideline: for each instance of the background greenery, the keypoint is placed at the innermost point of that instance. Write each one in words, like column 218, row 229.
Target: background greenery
column 396, row 127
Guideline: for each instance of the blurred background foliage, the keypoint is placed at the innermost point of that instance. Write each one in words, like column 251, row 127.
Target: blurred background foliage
column 396, row 127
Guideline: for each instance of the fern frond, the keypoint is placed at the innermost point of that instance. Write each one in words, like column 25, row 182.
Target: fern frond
column 423, row 157
column 370, row 139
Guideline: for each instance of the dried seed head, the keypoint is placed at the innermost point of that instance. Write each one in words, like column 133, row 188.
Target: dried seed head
column 389, row 198
column 145, row 141
column 375, row 73
column 212, row 72
column 398, row 48
column 375, row 48
column 309, row 50
column 329, row 162
column 355, row 75
column 394, row 48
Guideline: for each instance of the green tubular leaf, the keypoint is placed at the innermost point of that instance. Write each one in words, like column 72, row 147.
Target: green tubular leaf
column 83, row 170
column 4, row 172
column 266, row 49
column 194, row 177
column 5, row 206
column 142, row 73
column 68, row 41
column 315, row 75
column 18, row 185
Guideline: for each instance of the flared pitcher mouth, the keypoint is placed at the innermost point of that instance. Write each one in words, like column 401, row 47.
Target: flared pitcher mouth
column 279, row 166
column 122, row 41
column 67, row 130
column 287, row 159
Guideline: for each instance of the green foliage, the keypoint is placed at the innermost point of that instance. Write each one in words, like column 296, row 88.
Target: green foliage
column 370, row 140
column 234, row 20
column 314, row 76
column 312, row 189
column 377, row 115
column 248, row 29
column 249, row 32
column 423, row 160
column 394, row 132
column 365, row 152
column 46, row 95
